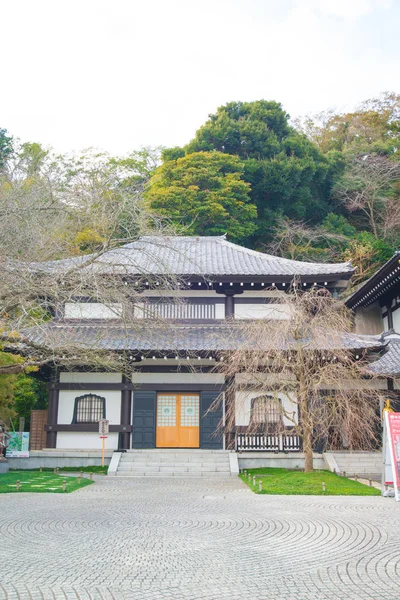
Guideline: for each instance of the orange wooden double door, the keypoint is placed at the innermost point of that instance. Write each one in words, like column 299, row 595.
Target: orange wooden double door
column 178, row 421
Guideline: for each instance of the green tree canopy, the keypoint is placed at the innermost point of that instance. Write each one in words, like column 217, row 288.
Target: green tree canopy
column 289, row 176
column 205, row 193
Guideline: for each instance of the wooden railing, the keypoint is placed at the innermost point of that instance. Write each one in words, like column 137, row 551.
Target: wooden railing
column 176, row 311
column 250, row 442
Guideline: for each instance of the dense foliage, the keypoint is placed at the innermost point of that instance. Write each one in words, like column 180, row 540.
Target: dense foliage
column 206, row 194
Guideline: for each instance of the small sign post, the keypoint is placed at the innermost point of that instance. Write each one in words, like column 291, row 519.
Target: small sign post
column 103, row 430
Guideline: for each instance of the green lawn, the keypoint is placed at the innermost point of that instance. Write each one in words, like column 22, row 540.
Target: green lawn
column 293, row 483
column 34, row 481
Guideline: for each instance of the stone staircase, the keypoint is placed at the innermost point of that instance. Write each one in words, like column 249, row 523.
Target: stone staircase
column 167, row 462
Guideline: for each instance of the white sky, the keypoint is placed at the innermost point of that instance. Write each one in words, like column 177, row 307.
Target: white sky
column 119, row 74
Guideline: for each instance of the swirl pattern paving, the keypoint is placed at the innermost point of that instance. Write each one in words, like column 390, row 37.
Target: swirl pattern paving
column 196, row 539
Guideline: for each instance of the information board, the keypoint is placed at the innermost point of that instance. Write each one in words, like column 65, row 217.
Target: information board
column 18, row 445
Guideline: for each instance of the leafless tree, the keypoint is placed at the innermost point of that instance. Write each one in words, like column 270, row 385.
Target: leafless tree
column 298, row 241
column 78, row 215
column 369, row 186
column 310, row 358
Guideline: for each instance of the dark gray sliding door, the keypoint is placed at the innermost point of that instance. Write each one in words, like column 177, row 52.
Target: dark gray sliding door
column 210, row 438
column 144, row 419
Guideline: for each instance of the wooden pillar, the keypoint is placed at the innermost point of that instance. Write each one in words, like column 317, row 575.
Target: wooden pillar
column 230, row 407
column 51, row 438
column 390, row 316
column 126, row 408
column 229, row 304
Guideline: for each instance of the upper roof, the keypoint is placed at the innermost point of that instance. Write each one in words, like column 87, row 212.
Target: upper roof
column 197, row 256
column 378, row 285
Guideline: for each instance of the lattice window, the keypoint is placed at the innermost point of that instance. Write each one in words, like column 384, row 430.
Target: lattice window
column 89, row 409
column 266, row 410
column 166, row 411
column 189, row 411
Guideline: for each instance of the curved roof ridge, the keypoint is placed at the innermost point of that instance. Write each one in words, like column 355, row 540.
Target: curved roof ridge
column 288, row 261
column 199, row 256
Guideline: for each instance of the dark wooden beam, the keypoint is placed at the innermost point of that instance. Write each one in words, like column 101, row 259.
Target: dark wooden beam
column 86, row 427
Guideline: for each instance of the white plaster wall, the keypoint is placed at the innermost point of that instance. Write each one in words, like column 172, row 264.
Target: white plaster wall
column 220, row 311
column 85, row 441
column 66, row 405
column 368, row 319
column 210, row 378
column 261, row 311
column 385, row 323
column 92, row 310
column 396, row 320
column 76, row 377
column 243, row 406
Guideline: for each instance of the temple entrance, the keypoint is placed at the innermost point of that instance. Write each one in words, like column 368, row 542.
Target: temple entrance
column 178, row 421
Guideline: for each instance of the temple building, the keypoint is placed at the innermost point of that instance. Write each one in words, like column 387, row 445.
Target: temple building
column 186, row 291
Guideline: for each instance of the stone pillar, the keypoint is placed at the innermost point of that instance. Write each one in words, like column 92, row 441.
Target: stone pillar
column 126, row 408
column 51, row 438
column 229, row 304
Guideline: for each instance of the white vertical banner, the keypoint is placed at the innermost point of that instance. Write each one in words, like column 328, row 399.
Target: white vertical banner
column 392, row 426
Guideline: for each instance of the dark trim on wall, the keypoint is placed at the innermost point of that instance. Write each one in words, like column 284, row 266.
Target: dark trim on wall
column 181, row 387
column 91, row 386
column 82, row 427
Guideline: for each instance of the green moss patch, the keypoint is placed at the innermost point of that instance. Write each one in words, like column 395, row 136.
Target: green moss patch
column 35, row 481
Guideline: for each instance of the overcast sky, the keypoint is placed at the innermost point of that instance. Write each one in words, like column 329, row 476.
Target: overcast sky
column 120, row 74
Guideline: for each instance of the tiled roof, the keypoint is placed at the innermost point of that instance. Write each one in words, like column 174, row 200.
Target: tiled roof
column 198, row 256
column 381, row 282
column 170, row 337
column 389, row 363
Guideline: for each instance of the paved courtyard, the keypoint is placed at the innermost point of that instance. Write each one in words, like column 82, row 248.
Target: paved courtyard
column 199, row 539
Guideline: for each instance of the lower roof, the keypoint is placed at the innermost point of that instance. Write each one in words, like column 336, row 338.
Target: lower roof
column 389, row 363
column 171, row 337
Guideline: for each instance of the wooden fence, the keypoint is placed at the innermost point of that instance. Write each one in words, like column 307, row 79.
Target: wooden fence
column 261, row 442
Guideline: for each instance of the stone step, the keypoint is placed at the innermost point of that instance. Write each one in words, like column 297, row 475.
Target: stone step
column 172, row 462
column 205, row 475
column 183, row 457
column 178, row 462
column 175, row 450
column 124, row 469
